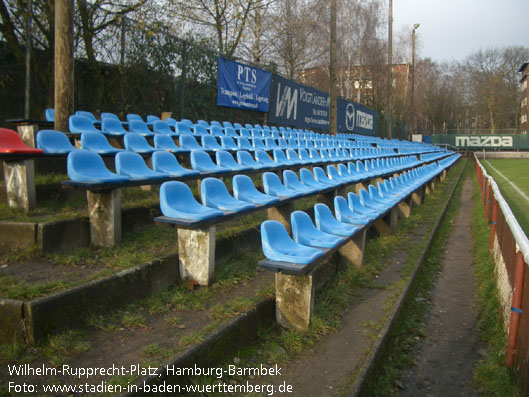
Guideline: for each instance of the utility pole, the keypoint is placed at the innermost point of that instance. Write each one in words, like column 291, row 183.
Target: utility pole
column 332, row 72
column 63, row 63
column 412, row 103
column 390, row 65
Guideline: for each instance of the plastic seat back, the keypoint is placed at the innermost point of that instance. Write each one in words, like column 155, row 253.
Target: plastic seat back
column 344, row 213
column 161, row 127
column 326, row 222
column 132, row 165
column 49, row 114
column 112, row 126
column 152, row 119
column 214, row 194
column 271, row 143
column 165, row 142
column 321, row 176
column 272, row 185
column 278, row 246
column 216, row 131
column 307, row 179
column 246, row 159
column 177, row 201
column 133, row 116
column 228, row 143
column 201, row 161
column 167, row 163
column 78, row 124
column 189, row 142
column 258, row 144
column 304, row 232
column 89, row 115
column 88, row 167
column 245, row 190
column 108, row 115
column 210, row 143
column 96, row 142
column 183, row 128
column 199, row 129
column 263, row 158
column 135, row 142
column 139, row 127
column 291, row 181
column 54, row 142
column 244, row 132
column 225, row 159
column 230, row 131
column 244, row 144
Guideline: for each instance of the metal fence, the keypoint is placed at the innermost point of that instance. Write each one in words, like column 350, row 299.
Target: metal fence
column 510, row 248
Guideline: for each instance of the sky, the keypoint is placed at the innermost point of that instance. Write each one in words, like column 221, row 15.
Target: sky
column 452, row 29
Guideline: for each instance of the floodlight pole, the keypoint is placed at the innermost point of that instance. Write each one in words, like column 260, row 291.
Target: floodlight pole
column 412, row 103
column 390, row 65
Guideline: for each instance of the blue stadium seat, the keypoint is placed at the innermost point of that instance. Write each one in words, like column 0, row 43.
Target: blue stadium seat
column 279, row 157
column 292, row 182
column 270, row 143
column 368, row 202
column 183, row 128
column 54, row 142
column 230, row 131
column 305, row 233
column 167, row 163
column 161, row 127
column 304, row 156
column 96, row 142
column 246, row 159
column 177, row 201
column 135, row 142
column 327, row 223
column 89, row 115
column 278, row 246
column 321, row 177
column 272, row 186
column 49, row 114
column 258, row 144
column 216, row 131
column 377, row 197
column 244, row 144
column 282, row 144
column 165, row 142
column 132, row 165
column 199, row 129
column 248, row 126
column 214, row 194
column 210, row 143
column 334, row 175
column 216, row 123
column 171, row 122
column 344, row 213
column 356, row 205
column 225, row 159
column 244, row 132
column 227, row 124
column 201, row 161
column 307, row 179
column 256, row 133
column 85, row 166
column 133, row 116
column 244, row 189
column 189, row 142
column 108, row 115
column 80, row 124
column 139, row 127
column 293, row 156
column 315, row 155
column 202, row 122
column 344, row 172
column 263, row 158
column 111, row 126
column 152, row 119
column 228, row 143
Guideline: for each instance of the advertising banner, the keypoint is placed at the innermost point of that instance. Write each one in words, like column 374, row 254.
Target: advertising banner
column 355, row 118
column 482, row 142
column 242, row 86
column 299, row 106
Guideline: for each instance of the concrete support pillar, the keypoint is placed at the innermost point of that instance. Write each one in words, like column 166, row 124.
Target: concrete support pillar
column 360, row 186
column 382, row 226
column 341, row 191
column 443, row 175
column 404, row 207
column 19, row 176
column 327, row 198
column 417, row 196
column 281, row 213
column 352, row 253
column 28, row 134
column 196, row 253
column 104, row 212
column 294, row 300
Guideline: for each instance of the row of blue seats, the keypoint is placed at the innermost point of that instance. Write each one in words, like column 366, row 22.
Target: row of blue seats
column 177, row 201
column 88, row 167
column 54, row 142
column 310, row 241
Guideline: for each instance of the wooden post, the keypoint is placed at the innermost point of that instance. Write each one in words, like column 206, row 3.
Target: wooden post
column 64, row 87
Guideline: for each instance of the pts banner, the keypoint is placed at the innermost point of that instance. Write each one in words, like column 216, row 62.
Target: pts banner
column 300, row 106
column 242, row 86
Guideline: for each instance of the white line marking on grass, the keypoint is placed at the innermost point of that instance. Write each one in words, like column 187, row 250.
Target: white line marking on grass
column 509, row 182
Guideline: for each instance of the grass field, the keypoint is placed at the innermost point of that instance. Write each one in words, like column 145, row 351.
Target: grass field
column 512, row 176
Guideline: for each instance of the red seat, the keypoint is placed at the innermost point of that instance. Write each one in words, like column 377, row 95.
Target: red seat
column 10, row 142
